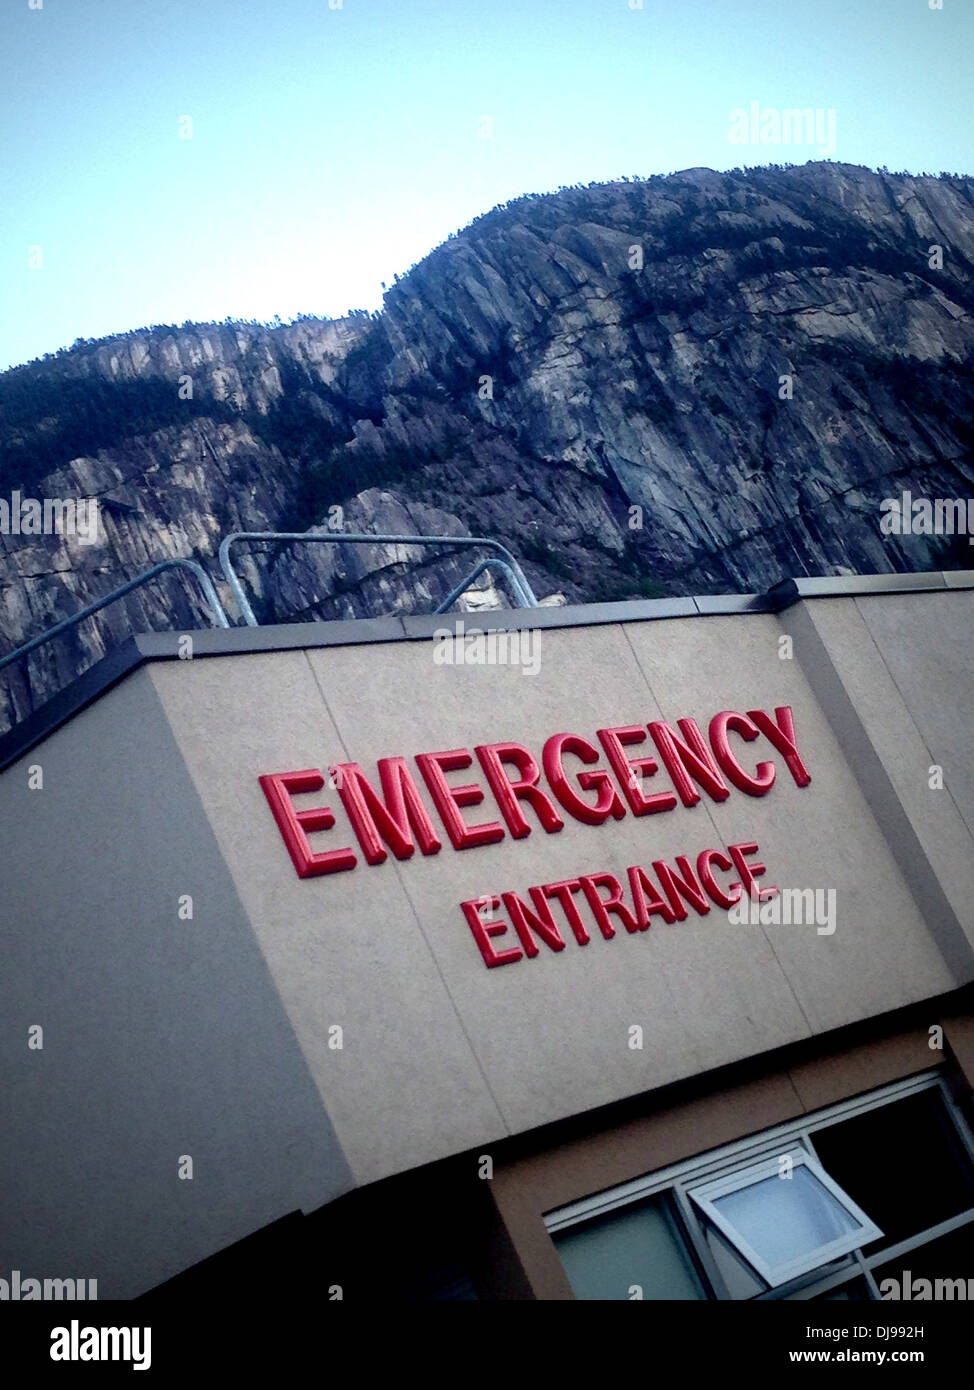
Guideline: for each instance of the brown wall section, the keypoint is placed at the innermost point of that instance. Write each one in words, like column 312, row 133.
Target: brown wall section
column 959, row 1044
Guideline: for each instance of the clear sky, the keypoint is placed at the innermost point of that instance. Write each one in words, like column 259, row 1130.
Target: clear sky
column 333, row 147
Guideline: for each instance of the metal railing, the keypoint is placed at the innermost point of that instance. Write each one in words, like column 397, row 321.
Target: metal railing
column 492, row 562
column 198, row 572
column 522, row 592
column 503, row 561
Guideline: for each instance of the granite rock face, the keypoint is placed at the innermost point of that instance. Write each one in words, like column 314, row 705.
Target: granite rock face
column 698, row 383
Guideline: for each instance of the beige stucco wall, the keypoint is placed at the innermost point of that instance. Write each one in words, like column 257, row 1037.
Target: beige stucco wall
column 441, row 1053
column 896, row 676
column 162, row 1037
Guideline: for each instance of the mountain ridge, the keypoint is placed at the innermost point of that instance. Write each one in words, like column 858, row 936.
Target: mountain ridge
column 564, row 366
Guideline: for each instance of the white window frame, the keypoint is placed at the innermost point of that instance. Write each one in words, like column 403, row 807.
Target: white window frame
column 706, row 1194
column 713, row 1161
column 676, row 1178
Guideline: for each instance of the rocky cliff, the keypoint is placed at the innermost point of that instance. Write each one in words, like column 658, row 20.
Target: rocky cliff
column 697, row 383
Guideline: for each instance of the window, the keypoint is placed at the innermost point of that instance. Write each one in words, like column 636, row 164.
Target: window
column 943, row 1262
column 908, row 1160
column 785, row 1215
column 641, row 1248
column 826, row 1208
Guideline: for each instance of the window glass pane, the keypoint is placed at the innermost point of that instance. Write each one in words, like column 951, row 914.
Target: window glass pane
column 949, row 1260
column 804, row 1287
column 856, row 1291
column 784, row 1218
column 638, row 1245
column 903, row 1164
column 739, row 1277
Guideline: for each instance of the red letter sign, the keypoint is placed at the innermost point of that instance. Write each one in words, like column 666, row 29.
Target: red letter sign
column 295, row 826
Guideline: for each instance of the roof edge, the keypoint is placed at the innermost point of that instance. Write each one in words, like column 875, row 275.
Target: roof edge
column 237, row 641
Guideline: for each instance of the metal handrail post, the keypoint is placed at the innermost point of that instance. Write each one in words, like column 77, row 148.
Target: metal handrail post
column 491, row 563
column 205, row 582
column 523, row 591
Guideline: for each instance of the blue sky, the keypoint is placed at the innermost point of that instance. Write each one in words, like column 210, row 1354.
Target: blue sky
column 332, row 148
